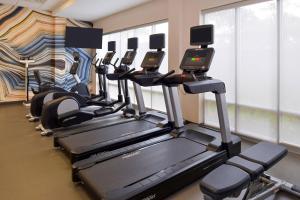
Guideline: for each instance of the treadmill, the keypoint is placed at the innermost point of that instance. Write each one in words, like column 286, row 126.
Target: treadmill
column 158, row 167
column 147, row 125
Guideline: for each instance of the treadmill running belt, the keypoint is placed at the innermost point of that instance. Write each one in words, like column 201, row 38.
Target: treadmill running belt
column 120, row 172
column 89, row 125
column 104, row 134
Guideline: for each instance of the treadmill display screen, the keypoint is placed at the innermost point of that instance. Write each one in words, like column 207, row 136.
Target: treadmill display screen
column 153, row 60
column 197, row 59
column 108, row 57
column 128, row 57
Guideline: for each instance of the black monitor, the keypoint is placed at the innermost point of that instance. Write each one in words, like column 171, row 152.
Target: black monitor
column 78, row 37
column 157, row 41
column 111, row 46
column 202, row 35
column 132, row 43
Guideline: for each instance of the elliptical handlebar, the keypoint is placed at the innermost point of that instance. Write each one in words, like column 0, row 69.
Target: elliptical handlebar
column 94, row 56
column 164, row 76
column 95, row 63
column 126, row 73
column 98, row 63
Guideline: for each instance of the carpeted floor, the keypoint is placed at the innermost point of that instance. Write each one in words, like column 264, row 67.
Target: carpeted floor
column 30, row 169
column 29, row 166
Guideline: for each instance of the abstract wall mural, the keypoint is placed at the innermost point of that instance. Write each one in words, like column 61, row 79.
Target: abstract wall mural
column 39, row 35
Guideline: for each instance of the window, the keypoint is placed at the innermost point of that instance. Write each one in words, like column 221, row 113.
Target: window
column 153, row 96
column 256, row 56
column 289, row 73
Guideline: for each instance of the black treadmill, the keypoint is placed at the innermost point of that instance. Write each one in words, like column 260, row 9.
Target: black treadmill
column 158, row 167
column 147, row 125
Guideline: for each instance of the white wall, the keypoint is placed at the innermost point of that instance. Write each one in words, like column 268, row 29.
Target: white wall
column 181, row 14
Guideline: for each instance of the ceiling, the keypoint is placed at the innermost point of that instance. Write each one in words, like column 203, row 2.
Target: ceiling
column 87, row 10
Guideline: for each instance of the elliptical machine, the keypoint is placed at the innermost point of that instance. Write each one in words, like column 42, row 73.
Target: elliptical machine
column 41, row 98
column 101, row 71
column 68, row 110
column 46, row 86
column 80, row 90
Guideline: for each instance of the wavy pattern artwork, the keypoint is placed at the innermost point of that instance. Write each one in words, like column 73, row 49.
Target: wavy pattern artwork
column 39, row 35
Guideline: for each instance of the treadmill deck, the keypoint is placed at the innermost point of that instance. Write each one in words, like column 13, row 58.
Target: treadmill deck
column 91, row 125
column 108, row 138
column 105, row 134
column 124, row 171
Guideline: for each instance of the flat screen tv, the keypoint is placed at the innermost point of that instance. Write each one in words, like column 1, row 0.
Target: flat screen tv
column 78, row 37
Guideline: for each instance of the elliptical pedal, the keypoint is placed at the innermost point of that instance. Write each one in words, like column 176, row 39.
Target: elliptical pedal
column 33, row 119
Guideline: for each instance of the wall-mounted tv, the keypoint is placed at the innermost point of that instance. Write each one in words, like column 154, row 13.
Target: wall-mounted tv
column 78, row 37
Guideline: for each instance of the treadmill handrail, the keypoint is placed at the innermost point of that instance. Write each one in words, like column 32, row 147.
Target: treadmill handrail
column 126, row 73
column 164, row 76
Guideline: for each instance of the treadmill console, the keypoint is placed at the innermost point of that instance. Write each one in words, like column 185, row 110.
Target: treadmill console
column 128, row 57
column 153, row 60
column 197, row 60
column 108, row 57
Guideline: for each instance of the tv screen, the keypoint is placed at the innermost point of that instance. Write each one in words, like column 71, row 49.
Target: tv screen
column 132, row 43
column 202, row 35
column 157, row 41
column 78, row 37
column 111, row 46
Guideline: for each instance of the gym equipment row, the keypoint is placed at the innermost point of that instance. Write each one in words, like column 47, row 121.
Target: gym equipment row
column 119, row 154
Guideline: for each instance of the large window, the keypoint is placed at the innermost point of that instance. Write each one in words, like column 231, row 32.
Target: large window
column 153, row 96
column 257, row 49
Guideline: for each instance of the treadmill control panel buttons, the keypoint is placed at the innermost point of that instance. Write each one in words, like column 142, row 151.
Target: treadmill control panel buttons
column 153, row 60
column 197, row 60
